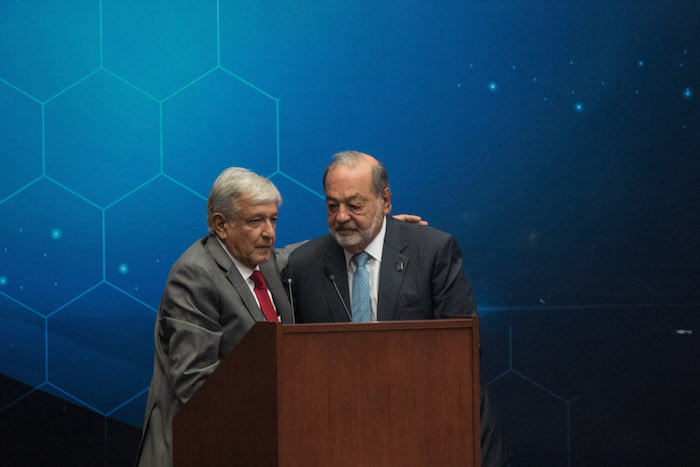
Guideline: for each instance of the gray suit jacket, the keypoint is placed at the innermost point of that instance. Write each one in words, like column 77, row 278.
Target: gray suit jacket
column 205, row 311
column 420, row 277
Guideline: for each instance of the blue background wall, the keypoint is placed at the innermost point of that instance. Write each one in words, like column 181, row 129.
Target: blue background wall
column 558, row 141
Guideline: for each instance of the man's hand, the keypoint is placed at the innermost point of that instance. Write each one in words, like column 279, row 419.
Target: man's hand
column 411, row 219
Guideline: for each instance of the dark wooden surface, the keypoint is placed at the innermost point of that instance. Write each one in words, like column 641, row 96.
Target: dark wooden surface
column 384, row 394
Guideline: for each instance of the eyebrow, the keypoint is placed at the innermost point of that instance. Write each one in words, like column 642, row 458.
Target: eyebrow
column 356, row 196
column 260, row 214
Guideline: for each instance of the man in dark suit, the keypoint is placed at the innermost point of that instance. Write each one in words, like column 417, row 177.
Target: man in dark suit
column 383, row 269
column 213, row 296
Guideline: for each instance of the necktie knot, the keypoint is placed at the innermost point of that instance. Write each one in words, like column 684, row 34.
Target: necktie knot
column 361, row 259
column 258, row 280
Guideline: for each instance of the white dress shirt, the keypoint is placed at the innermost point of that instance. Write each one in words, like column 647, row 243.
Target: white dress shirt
column 374, row 249
column 246, row 272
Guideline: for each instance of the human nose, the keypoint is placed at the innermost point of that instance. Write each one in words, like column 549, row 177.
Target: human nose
column 268, row 228
column 342, row 215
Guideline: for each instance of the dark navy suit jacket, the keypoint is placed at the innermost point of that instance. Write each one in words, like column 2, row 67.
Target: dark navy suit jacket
column 420, row 277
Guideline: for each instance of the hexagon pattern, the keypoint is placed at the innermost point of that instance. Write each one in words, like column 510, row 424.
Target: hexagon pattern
column 102, row 138
column 20, row 133
column 47, row 232
column 21, row 343
column 100, row 348
column 117, row 115
column 172, row 218
column 219, row 119
column 159, row 46
column 115, row 120
column 45, row 45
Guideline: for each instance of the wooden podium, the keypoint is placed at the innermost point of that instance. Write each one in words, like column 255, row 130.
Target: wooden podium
column 397, row 393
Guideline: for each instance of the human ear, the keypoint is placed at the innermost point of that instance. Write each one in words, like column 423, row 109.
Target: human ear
column 219, row 223
column 386, row 200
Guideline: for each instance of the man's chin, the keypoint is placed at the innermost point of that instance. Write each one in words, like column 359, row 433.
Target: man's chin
column 263, row 257
column 346, row 239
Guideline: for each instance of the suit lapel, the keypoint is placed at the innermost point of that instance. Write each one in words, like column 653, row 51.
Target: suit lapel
column 235, row 278
column 392, row 271
column 334, row 257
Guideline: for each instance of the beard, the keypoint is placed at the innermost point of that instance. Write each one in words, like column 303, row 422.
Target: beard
column 352, row 238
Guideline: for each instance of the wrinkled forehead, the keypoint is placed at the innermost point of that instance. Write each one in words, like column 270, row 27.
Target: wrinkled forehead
column 247, row 207
column 346, row 182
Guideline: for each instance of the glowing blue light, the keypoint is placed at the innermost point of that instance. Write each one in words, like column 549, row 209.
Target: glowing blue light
column 640, row 63
column 3, row 280
column 578, row 107
column 123, row 268
column 56, row 234
column 493, row 86
column 688, row 93
column 571, row 62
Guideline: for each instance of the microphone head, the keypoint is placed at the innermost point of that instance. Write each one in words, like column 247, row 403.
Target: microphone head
column 327, row 271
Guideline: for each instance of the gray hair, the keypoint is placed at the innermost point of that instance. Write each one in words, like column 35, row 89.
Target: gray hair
column 234, row 183
column 380, row 179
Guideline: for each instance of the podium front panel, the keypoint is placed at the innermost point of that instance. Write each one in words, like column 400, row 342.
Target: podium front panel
column 379, row 394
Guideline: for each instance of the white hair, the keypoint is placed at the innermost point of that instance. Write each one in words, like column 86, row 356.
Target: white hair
column 234, row 183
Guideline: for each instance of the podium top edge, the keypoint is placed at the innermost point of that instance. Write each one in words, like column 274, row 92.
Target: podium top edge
column 452, row 323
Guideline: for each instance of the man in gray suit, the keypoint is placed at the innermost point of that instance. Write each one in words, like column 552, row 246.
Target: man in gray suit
column 399, row 271
column 210, row 300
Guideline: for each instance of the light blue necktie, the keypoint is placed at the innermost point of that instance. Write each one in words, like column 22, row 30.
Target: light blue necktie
column 361, row 308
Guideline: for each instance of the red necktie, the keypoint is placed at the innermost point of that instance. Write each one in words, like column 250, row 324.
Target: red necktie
column 263, row 297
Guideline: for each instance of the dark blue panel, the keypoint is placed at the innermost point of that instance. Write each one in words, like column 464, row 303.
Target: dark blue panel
column 558, row 141
column 102, row 138
column 20, row 133
column 138, row 259
column 159, row 46
column 216, row 123
column 101, row 347
column 51, row 246
column 22, row 338
column 302, row 214
column 45, row 46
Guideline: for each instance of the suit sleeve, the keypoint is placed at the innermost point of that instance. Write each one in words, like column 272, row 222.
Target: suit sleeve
column 282, row 254
column 188, row 332
column 451, row 290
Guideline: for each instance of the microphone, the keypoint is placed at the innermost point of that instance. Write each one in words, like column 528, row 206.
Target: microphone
column 291, row 298
column 331, row 277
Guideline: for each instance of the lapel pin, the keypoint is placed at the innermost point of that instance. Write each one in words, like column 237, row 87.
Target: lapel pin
column 399, row 266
